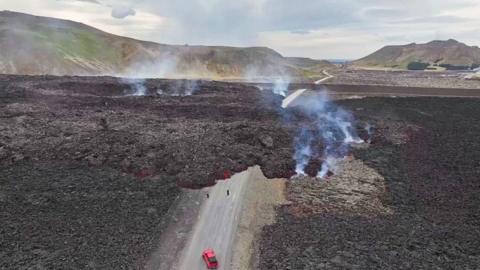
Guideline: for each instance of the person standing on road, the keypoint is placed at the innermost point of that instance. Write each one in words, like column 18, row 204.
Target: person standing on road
column 228, row 192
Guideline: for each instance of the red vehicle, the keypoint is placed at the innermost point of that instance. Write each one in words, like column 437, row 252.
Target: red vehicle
column 210, row 259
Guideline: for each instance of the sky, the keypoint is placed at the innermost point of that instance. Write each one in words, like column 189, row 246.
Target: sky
column 321, row 29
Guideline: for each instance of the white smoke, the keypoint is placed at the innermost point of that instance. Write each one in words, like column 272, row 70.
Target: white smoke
column 280, row 85
column 121, row 12
column 161, row 66
column 137, row 86
column 327, row 124
column 183, row 88
column 332, row 127
column 328, row 165
column 369, row 130
column 251, row 74
column 174, row 88
column 303, row 150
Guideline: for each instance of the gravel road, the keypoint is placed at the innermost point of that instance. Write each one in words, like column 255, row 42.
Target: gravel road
column 217, row 223
column 328, row 77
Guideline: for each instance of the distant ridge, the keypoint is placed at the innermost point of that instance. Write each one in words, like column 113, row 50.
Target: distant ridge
column 437, row 53
column 41, row 45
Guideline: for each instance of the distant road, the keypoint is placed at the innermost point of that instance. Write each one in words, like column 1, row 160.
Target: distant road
column 399, row 91
column 286, row 101
column 329, row 76
column 292, row 97
column 354, row 90
column 217, row 223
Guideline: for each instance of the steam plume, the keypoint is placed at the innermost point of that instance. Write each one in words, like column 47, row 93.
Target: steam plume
column 332, row 127
column 137, row 86
column 161, row 66
column 280, row 85
column 368, row 129
column 303, row 150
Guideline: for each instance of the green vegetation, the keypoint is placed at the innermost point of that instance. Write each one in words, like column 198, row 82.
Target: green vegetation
column 460, row 67
column 67, row 47
column 415, row 65
column 80, row 44
column 454, row 67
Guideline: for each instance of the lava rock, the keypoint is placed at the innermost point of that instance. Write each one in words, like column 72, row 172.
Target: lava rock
column 266, row 141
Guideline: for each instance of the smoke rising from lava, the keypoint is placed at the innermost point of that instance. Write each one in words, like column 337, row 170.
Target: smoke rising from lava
column 178, row 88
column 136, row 85
column 369, row 130
column 280, row 85
column 328, row 125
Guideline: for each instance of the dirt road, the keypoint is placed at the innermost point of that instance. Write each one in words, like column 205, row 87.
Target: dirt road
column 324, row 79
column 217, row 223
column 286, row 102
column 400, row 91
column 293, row 96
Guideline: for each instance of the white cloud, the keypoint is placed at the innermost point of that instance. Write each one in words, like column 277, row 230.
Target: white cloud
column 121, row 12
column 90, row 1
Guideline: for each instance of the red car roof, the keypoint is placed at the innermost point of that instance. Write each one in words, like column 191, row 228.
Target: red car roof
column 209, row 252
column 210, row 259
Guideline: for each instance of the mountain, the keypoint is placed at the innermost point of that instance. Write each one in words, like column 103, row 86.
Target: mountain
column 40, row 45
column 450, row 54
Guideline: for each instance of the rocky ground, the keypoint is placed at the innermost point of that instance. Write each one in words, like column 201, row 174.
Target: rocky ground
column 88, row 171
column 427, row 79
column 408, row 201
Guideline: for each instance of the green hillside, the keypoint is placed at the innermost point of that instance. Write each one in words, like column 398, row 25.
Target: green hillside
column 40, row 45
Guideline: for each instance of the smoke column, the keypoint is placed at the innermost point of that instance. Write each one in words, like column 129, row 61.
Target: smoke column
column 137, row 86
column 303, row 150
column 326, row 124
column 369, row 130
column 280, row 86
column 176, row 88
column 332, row 127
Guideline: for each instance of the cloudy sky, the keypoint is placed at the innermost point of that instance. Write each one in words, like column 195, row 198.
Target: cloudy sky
column 327, row 29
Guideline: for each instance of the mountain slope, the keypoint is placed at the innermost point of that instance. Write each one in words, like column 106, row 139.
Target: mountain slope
column 41, row 45
column 450, row 52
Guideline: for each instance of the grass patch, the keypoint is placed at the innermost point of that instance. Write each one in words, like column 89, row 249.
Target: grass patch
column 78, row 44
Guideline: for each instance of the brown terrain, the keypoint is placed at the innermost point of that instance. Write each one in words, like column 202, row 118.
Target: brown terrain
column 450, row 52
column 448, row 79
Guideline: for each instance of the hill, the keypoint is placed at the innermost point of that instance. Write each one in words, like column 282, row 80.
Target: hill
column 41, row 45
column 449, row 54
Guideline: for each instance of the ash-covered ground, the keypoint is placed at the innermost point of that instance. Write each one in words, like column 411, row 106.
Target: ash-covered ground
column 88, row 171
column 408, row 201
column 420, row 79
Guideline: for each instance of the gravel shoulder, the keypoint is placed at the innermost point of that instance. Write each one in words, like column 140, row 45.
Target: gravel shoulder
column 217, row 222
column 262, row 198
